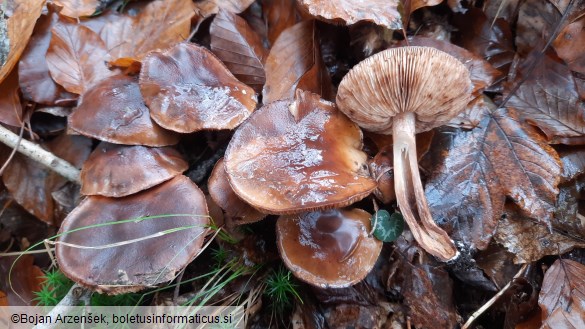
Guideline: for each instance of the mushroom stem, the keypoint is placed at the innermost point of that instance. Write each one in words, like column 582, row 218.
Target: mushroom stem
column 410, row 193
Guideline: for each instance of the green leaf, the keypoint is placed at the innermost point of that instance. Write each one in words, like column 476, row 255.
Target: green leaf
column 387, row 227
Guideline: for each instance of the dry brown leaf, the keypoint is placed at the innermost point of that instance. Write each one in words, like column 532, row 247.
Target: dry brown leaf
column 25, row 280
column 160, row 25
column 20, row 27
column 279, row 16
column 77, row 8
column 239, row 48
column 295, row 63
column 573, row 160
column 381, row 12
column 76, row 57
column 570, row 45
column 562, row 297
column 416, row 4
column 11, row 112
column 33, row 73
column 536, row 22
column 206, row 8
column 528, row 240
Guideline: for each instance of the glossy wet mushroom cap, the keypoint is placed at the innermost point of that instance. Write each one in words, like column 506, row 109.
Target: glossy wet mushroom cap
column 117, row 258
column 328, row 249
column 298, row 155
column 119, row 170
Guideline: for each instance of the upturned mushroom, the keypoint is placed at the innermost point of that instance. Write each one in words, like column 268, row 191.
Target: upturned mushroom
column 403, row 91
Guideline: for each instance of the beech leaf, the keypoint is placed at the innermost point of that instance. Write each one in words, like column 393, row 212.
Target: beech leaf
column 570, row 45
column 77, row 8
column 206, row 8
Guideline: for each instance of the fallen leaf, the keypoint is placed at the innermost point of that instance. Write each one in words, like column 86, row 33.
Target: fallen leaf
column 188, row 89
column 239, row 48
column 548, row 98
column 33, row 72
column 279, row 16
column 113, row 110
column 497, row 264
column 417, row 4
column 570, row 45
column 19, row 28
column 11, row 111
column 295, row 62
column 573, row 160
column 479, row 168
column 492, row 40
column 3, row 299
column 536, row 22
column 562, row 297
column 24, row 280
column 381, row 12
column 159, row 25
column 528, row 240
column 31, row 184
column 567, row 217
column 76, row 57
column 77, row 8
column 206, row 8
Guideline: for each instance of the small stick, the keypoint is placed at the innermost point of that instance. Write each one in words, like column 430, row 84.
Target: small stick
column 75, row 295
column 493, row 299
column 37, row 153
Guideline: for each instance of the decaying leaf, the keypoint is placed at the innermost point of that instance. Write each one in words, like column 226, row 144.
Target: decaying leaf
column 570, row 45
column 499, row 158
column 529, row 241
column 160, row 25
column 239, row 48
column 548, row 98
column 11, row 111
column 76, row 57
column 381, row 12
column 295, row 62
column 573, row 161
column 206, row 8
column 77, row 8
column 562, row 297
column 35, row 80
column 25, row 280
column 188, row 89
column 279, row 16
column 536, row 23
column 19, row 28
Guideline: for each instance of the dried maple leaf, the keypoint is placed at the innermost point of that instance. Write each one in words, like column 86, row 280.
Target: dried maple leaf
column 76, row 57
column 19, row 29
column 239, row 48
column 562, row 297
column 548, row 98
column 160, row 25
column 77, row 8
column 381, row 12
column 295, row 63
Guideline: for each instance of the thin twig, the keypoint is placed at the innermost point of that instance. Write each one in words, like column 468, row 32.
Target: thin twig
column 37, row 153
column 13, row 150
column 493, row 299
column 75, row 295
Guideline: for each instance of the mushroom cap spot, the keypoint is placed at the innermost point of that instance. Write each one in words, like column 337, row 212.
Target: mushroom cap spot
column 428, row 82
column 329, row 249
column 224, row 196
column 116, row 269
column 298, row 155
column 118, row 170
column 188, row 89
column 114, row 111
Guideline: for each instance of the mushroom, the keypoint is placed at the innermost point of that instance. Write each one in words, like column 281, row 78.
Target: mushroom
column 328, row 249
column 403, row 91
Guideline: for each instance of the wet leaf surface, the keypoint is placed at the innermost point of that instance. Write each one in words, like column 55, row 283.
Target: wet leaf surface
column 188, row 89
column 295, row 62
column 352, row 11
column 76, row 57
column 239, row 48
column 570, row 45
column 562, row 296
column 113, row 110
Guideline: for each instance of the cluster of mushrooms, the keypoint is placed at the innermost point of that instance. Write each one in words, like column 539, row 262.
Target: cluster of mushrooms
column 299, row 158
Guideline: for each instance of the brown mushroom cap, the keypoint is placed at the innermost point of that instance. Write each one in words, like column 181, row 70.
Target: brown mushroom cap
column 222, row 193
column 188, row 89
column 422, row 80
column 329, row 249
column 104, row 266
column 298, row 155
column 113, row 111
column 118, row 170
